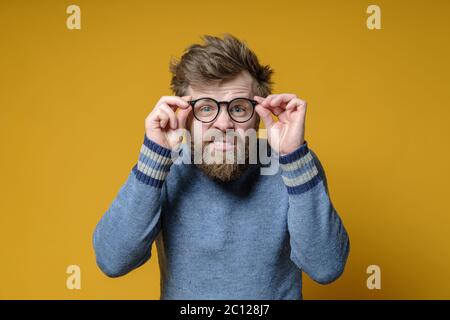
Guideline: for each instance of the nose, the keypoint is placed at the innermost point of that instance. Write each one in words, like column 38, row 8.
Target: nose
column 223, row 120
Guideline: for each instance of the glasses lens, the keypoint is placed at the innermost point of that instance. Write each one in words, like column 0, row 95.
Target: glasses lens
column 205, row 110
column 241, row 110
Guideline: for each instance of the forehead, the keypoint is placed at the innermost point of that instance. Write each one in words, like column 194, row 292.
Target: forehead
column 239, row 86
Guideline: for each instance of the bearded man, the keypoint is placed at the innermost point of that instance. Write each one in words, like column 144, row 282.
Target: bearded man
column 224, row 230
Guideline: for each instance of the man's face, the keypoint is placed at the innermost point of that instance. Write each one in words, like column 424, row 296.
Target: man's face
column 210, row 138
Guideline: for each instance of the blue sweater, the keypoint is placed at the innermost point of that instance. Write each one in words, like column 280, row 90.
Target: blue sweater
column 247, row 239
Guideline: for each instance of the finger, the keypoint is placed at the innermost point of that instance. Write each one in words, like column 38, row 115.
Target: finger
column 186, row 98
column 266, row 115
column 284, row 117
column 282, row 99
column 183, row 114
column 173, row 102
column 162, row 118
column 258, row 99
column 266, row 101
column 275, row 110
column 294, row 103
column 263, row 101
column 172, row 117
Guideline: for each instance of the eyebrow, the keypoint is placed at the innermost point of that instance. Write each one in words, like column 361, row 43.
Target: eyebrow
column 237, row 96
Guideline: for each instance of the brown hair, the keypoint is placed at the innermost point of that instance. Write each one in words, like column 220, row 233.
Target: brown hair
column 218, row 60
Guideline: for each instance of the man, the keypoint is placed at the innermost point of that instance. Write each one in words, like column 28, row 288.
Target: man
column 222, row 229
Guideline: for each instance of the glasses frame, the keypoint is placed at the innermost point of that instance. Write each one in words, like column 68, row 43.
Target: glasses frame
column 219, row 104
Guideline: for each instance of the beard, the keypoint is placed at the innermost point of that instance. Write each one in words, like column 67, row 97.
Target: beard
column 222, row 165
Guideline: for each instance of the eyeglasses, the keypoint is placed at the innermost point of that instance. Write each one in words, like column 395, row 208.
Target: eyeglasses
column 239, row 109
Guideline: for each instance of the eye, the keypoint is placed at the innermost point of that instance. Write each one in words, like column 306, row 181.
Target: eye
column 206, row 109
column 236, row 109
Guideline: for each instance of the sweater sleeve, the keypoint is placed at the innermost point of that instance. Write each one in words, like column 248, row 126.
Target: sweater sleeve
column 123, row 237
column 319, row 242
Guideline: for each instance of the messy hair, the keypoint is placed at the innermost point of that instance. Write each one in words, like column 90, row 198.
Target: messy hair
column 218, row 59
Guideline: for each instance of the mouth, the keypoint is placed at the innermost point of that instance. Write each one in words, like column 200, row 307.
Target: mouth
column 222, row 145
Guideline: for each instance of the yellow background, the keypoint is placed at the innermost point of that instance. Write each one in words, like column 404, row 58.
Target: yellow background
column 73, row 104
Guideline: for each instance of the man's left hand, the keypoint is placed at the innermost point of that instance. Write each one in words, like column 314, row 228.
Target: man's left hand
column 286, row 134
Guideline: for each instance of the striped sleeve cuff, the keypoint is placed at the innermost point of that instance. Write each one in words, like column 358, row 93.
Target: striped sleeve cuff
column 299, row 171
column 154, row 163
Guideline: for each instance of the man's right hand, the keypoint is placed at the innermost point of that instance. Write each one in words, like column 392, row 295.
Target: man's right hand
column 162, row 123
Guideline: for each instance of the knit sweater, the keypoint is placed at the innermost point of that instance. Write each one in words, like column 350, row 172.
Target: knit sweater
column 250, row 238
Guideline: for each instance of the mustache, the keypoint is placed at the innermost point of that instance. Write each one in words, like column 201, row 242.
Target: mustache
column 229, row 136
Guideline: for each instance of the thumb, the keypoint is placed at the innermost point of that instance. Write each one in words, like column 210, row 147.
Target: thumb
column 182, row 116
column 266, row 115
